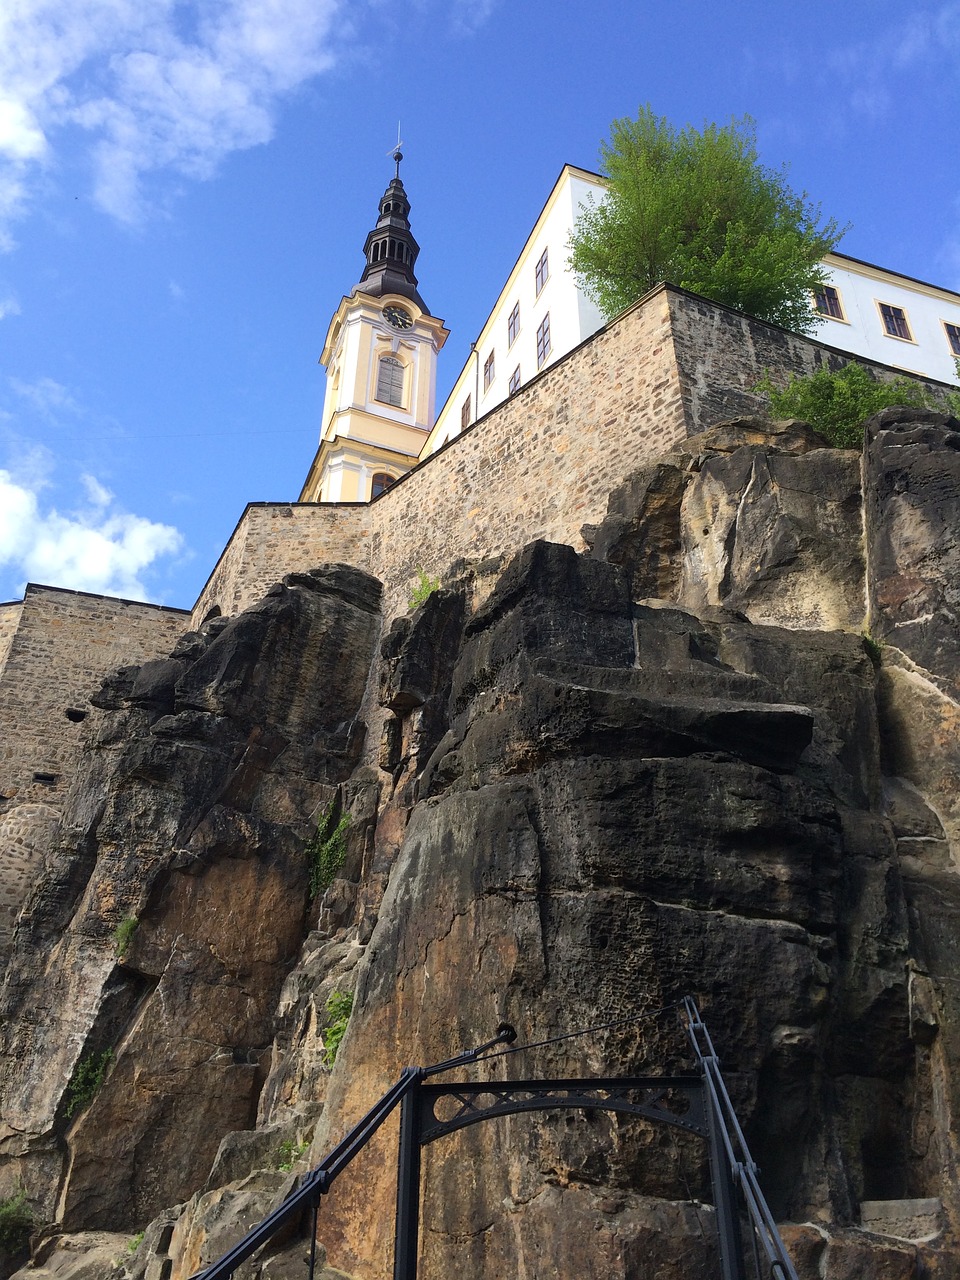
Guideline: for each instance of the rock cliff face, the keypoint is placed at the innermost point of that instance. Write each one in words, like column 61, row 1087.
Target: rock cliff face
column 577, row 787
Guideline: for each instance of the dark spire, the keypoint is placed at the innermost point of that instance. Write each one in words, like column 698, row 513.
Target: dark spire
column 390, row 247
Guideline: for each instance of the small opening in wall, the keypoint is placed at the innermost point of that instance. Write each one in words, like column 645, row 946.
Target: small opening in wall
column 75, row 715
column 46, row 777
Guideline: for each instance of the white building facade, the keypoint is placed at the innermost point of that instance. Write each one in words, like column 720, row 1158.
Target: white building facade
column 541, row 314
column 890, row 318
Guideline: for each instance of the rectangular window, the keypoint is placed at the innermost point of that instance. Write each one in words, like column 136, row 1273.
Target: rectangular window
column 513, row 325
column 953, row 337
column 515, row 381
column 827, row 302
column 894, row 321
column 465, row 414
column 543, row 271
column 489, row 370
column 543, row 340
column 390, row 381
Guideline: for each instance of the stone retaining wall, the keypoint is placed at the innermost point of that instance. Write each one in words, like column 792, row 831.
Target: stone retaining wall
column 274, row 538
column 539, row 466
column 9, row 619
column 65, row 642
column 723, row 354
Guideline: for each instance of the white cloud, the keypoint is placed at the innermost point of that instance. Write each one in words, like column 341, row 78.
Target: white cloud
column 97, row 494
column 46, row 396
column 157, row 84
column 880, row 68
column 467, row 16
column 884, row 72
column 9, row 306
column 96, row 548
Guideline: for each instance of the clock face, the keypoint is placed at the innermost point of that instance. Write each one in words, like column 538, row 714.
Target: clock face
column 399, row 318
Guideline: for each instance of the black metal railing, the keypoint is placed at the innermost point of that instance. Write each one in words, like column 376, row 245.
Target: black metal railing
column 698, row 1103
column 729, row 1147
column 316, row 1183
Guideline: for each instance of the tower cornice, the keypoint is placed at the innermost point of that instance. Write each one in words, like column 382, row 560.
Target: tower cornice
column 371, row 307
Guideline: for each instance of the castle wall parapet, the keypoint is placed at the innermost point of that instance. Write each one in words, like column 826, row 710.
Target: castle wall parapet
column 274, row 538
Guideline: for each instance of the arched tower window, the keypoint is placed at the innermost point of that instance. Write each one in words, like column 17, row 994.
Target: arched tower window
column 381, row 482
column 390, row 381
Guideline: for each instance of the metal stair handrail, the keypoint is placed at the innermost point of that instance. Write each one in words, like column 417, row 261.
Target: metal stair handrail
column 743, row 1167
column 318, row 1181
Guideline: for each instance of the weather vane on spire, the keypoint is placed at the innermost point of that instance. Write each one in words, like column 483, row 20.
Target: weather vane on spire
column 397, row 153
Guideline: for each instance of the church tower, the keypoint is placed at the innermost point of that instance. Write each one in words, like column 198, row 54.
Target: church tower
column 380, row 356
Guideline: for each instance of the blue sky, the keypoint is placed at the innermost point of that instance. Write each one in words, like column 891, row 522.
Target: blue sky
column 185, row 189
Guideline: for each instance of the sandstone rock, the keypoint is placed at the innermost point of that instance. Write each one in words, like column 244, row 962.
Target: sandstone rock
column 91, row 1255
column 419, row 651
column 785, row 435
column 756, row 516
column 641, row 531
column 775, row 536
column 912, row 474
column 213, row 1222
column 196, row 839
column 851, row 1257
column 805, row 1244
column 595, row 843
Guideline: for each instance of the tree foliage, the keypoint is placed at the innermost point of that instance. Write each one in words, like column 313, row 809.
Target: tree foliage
column 837, row 404
column 697, row 209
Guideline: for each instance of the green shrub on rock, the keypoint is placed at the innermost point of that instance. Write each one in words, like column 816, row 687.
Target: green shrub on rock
column 16, row 1223
column 123, row 935
column 87, row 1079
column 339, row 1006
column 424, row 589
column 288, row 1153
column 837, row 404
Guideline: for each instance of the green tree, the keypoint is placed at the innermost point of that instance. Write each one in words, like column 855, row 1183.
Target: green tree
column 698, row 209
